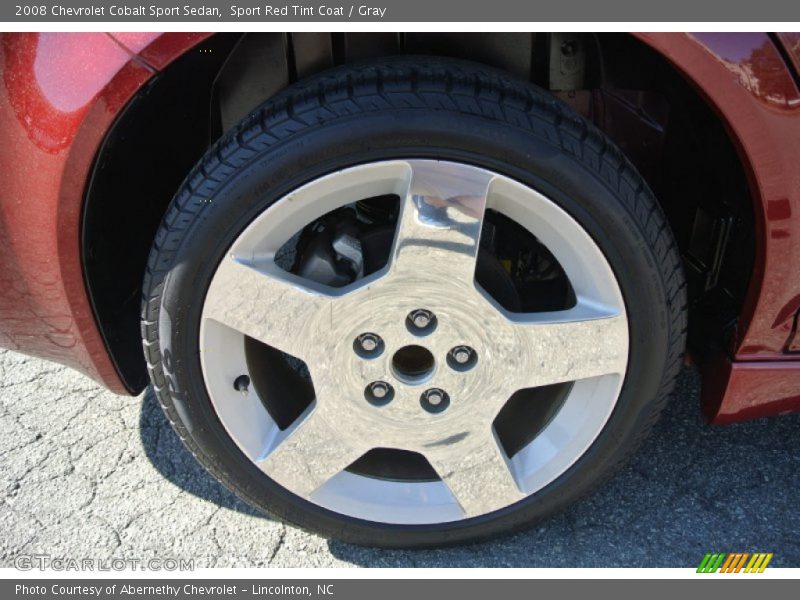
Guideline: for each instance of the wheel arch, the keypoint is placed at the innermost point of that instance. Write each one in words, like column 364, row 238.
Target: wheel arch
column 229, row 88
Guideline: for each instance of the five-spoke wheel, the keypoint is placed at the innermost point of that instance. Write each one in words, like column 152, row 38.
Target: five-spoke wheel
column 434, row 355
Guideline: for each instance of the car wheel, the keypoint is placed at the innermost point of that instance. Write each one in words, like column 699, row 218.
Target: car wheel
column 413, row 302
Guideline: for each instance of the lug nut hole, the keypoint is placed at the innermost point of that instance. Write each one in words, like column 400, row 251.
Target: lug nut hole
column 379, row 393
column 434, row 400
column 368, row 345
column 462, row 358
column 421, row 322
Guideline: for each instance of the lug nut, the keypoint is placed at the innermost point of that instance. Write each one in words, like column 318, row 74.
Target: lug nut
column 421, row 318
column 379, row 389
column 379, row 393
column 242, row 384
column 434, row 400
column 435, row 397
column 421, row 321
column 368, row 345
column 368, row 342
column 461, row 355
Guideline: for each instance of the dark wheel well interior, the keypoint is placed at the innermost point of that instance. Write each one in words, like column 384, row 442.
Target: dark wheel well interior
column 626, row 89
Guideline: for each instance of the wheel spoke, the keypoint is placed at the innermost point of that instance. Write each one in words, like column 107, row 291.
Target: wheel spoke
column 265, row 304
column 478, row 474
column 440, row 220
column 312, row 451
column 556, row 347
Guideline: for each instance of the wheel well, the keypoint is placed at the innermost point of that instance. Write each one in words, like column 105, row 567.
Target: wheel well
column 628, row 90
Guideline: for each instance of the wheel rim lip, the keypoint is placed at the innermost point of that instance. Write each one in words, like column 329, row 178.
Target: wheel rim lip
column 363, row 497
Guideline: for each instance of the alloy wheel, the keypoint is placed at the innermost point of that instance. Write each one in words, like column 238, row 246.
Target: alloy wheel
column 416, row 356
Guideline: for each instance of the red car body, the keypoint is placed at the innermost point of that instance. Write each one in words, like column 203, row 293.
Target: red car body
column 61, row 93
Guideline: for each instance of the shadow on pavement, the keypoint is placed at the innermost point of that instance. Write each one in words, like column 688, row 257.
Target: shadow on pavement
column 690, row 489
column 168, row 454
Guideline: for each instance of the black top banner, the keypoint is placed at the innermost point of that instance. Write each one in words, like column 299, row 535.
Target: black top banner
column 461, row 11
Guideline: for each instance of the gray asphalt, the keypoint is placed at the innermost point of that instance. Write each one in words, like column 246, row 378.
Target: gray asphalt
column 86, row 473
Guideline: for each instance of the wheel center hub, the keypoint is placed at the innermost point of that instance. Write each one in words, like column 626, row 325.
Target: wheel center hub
column 413, row 364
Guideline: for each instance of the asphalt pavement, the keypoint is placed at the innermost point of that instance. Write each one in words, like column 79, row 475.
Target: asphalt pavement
column 87, row 473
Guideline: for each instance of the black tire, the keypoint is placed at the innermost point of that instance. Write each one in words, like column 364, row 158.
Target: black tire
column 413, row 108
